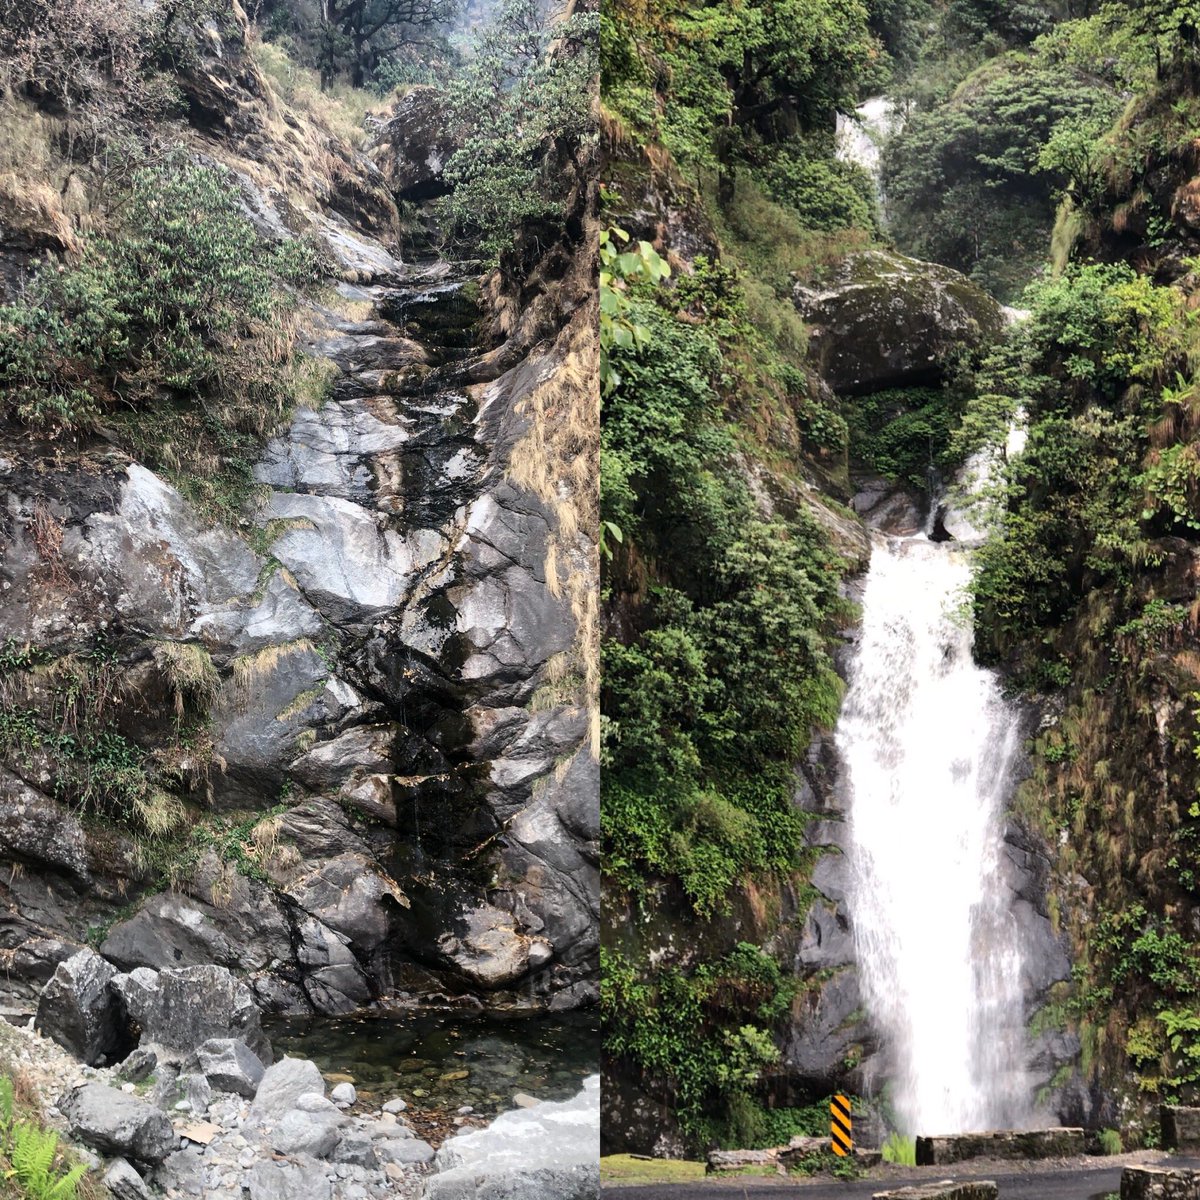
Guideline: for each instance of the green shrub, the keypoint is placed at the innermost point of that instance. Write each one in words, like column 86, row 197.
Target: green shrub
column 901, row 1150
column 969, row 183
column 1110, row 1141
column 176, row 297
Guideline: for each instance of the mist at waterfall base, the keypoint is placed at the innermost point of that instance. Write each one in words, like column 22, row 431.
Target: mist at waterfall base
column 927, row 745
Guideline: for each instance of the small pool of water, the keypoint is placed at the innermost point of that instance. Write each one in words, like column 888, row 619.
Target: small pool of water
column 439, row 1060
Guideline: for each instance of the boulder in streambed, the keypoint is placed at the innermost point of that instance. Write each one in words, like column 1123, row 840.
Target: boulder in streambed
column 548, row 1152
column 179, row 1010
column 118, row 1124
column 885, row 321
column 282, row 1085
column 229, row 1066
column 80, row 1010
column 412, row 148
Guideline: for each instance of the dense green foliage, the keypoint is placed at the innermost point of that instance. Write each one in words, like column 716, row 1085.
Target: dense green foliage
column 705, row 1033
column 906, row 435
column 172, row 329
column 970, row 182
column 1082, row 370
column 521, row 110
column 715, row 698
column 719, row 606
column 166, row 299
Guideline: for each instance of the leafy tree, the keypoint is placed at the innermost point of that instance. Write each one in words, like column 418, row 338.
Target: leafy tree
column 521, row 111
column 365, row 33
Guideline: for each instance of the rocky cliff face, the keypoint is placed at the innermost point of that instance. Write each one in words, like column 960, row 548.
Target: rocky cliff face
column 392, row 787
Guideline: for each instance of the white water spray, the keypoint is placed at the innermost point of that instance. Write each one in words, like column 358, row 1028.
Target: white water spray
column 927, row 744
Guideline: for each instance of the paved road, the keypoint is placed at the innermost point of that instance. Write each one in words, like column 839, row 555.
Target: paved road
column 1086, row 1182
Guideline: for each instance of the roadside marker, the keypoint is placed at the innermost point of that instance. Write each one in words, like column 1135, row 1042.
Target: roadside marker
column 839, row 1126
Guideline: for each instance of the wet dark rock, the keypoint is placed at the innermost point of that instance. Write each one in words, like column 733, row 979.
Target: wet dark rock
column 80, row 1010
column 884, row 320
column 115, row 1123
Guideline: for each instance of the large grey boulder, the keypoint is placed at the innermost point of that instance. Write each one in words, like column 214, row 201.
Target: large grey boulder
column 80, row 1010
column 229, row 1066
column 179, row 1010
column 884, row 320
column 124, row 1183
column 282, row 1085
column 312, row 1133
column 289, row 1181
column 405, row 1151
column 117, row 1124
column 412, row 148
column 548, row 1152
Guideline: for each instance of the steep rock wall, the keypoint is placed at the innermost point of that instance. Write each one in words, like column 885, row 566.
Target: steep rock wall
column 395, row 786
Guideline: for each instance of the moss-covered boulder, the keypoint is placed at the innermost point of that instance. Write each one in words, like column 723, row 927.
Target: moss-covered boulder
column 885, row 321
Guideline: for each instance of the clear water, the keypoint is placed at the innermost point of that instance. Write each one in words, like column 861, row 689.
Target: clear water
column 927, row 744
column 439, row 1060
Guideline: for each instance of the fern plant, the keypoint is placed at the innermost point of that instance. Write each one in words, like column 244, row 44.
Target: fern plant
column 30, row 1152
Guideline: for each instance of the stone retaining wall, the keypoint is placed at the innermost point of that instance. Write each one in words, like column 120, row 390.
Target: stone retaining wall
column 1004, row 1143
column 1159, row 1183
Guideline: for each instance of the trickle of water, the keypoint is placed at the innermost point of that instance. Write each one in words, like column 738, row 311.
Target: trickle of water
column 927, row 745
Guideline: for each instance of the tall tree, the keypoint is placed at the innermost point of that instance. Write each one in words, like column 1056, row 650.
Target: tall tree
column 362, row 32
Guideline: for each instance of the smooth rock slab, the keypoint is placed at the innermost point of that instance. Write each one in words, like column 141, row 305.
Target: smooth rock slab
column 117, row 1124
column 947, row 1189
column 732, row 1161
column 1159, row 1183
column 1180, row 1127
column 1004, row 1143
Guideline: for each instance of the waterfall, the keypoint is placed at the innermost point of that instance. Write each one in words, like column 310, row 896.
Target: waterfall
column 927, row 744
column 860, row 137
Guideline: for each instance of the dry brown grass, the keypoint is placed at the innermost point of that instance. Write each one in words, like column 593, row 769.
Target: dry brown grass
column 558, row 460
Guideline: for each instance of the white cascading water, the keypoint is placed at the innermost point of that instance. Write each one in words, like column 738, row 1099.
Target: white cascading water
column 927, row 744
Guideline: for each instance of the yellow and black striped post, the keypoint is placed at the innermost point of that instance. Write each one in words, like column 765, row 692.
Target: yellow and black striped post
column 839, row 1126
